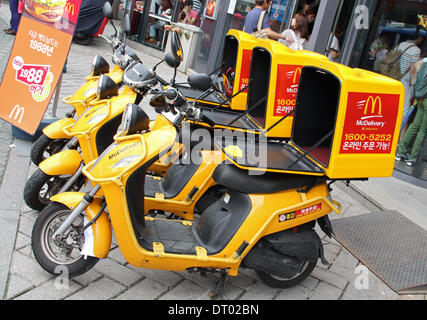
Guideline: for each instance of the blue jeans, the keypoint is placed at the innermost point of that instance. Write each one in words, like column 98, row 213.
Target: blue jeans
column 16, row 17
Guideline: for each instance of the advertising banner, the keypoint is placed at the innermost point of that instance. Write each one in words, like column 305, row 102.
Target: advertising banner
column 36, row 60
column 370, row 123
column 245, row 70
column 286, row 89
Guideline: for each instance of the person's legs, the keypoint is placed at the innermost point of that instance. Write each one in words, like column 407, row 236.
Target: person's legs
column 422, row 119
column 16, row 17
column 409, row 135
column 408, row 96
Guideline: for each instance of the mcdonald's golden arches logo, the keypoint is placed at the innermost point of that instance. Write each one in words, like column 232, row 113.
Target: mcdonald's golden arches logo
column 374, row 103
column 297, row 72
column 70, row 8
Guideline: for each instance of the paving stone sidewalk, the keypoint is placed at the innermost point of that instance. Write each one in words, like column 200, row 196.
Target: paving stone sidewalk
column 114, row 278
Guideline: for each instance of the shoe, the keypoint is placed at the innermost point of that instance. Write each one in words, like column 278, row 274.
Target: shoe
column 10, row 29
column 10, row 32
column 401, row 157
column 411, row 162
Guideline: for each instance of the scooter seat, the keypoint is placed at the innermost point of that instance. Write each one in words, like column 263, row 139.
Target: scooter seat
column 191, row 93
column 172, row 184
column 232, row 177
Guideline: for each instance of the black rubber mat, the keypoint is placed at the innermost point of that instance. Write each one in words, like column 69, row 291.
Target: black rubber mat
column 390, row 245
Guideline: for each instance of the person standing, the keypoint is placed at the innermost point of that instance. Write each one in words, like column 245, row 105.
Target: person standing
column 418, row 127
column 410, row 55
column 15, row 19
column 251, row 20
column 297, row 34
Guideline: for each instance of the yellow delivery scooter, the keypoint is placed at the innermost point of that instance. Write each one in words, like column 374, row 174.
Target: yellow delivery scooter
column 243, row 227
column 263, row 222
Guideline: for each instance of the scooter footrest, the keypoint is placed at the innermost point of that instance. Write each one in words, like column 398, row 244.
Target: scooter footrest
column 152, row 186
column 175, row 236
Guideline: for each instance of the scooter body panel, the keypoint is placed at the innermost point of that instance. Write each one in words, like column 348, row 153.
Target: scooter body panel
column 87, row 92
column 97, row 118
column 55, row 129
column 65, row 162
column 193, row 186
column 102, row 233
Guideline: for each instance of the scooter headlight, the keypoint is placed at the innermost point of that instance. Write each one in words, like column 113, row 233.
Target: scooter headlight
column 98, row 118
column 99, row 66
column 107, row 88
column 125, row 161
column 134, row 119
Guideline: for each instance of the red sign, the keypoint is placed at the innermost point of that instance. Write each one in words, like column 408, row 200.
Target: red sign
column 36, row 61
column 286, row 89
column 370, row 123
column 300, row 213
column 245, row 69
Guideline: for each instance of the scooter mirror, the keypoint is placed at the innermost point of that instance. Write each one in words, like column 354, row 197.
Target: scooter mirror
column 108, row 13
column 171, row 60
column 126, row 24
column 200, row 81
column 108, row 10
column 176, row 47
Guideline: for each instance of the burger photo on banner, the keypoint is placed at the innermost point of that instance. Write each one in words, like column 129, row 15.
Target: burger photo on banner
column 56, row 13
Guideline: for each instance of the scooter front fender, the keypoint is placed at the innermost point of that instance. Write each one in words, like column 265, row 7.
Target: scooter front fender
column 64, row 162
column 54, row 130
column 102, row 234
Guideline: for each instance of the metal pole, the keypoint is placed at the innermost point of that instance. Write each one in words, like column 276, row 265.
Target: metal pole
column 56, row 98
column 323, row 26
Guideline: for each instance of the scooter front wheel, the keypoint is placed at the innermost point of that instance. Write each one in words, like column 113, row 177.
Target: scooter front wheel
column 282, row 283
column 60, row 256
column 41, row 187
column 44, row 147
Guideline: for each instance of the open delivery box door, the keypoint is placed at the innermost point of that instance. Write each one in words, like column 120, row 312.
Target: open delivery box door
column 234, row 72
column 268, row 91
column 345, row 126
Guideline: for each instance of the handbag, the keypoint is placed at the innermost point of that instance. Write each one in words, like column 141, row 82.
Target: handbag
column 389, row 65
column 21, row 6
column 260, row 34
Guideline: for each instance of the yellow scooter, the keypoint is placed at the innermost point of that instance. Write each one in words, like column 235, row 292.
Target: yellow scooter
column 264, row 221
column 245, row 227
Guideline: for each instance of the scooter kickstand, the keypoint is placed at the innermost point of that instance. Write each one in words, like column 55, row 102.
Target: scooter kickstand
column 219, row 287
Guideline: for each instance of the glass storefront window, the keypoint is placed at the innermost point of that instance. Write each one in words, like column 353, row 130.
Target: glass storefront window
column 135, row 9
column 159, row 15
column 211, row 9
column 396, row 24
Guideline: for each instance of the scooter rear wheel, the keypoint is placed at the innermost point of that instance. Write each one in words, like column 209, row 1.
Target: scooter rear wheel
column 282, row 283
column 44, row 147
column 60, row 256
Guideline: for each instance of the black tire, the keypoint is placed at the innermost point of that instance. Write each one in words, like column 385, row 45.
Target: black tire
column 44, row 248
column 44, row 147
column 282, row 283
column 41, row 187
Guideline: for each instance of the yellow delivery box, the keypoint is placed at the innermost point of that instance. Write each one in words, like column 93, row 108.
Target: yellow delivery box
column 274, row 79
column 347, row 121
column 346, row 125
